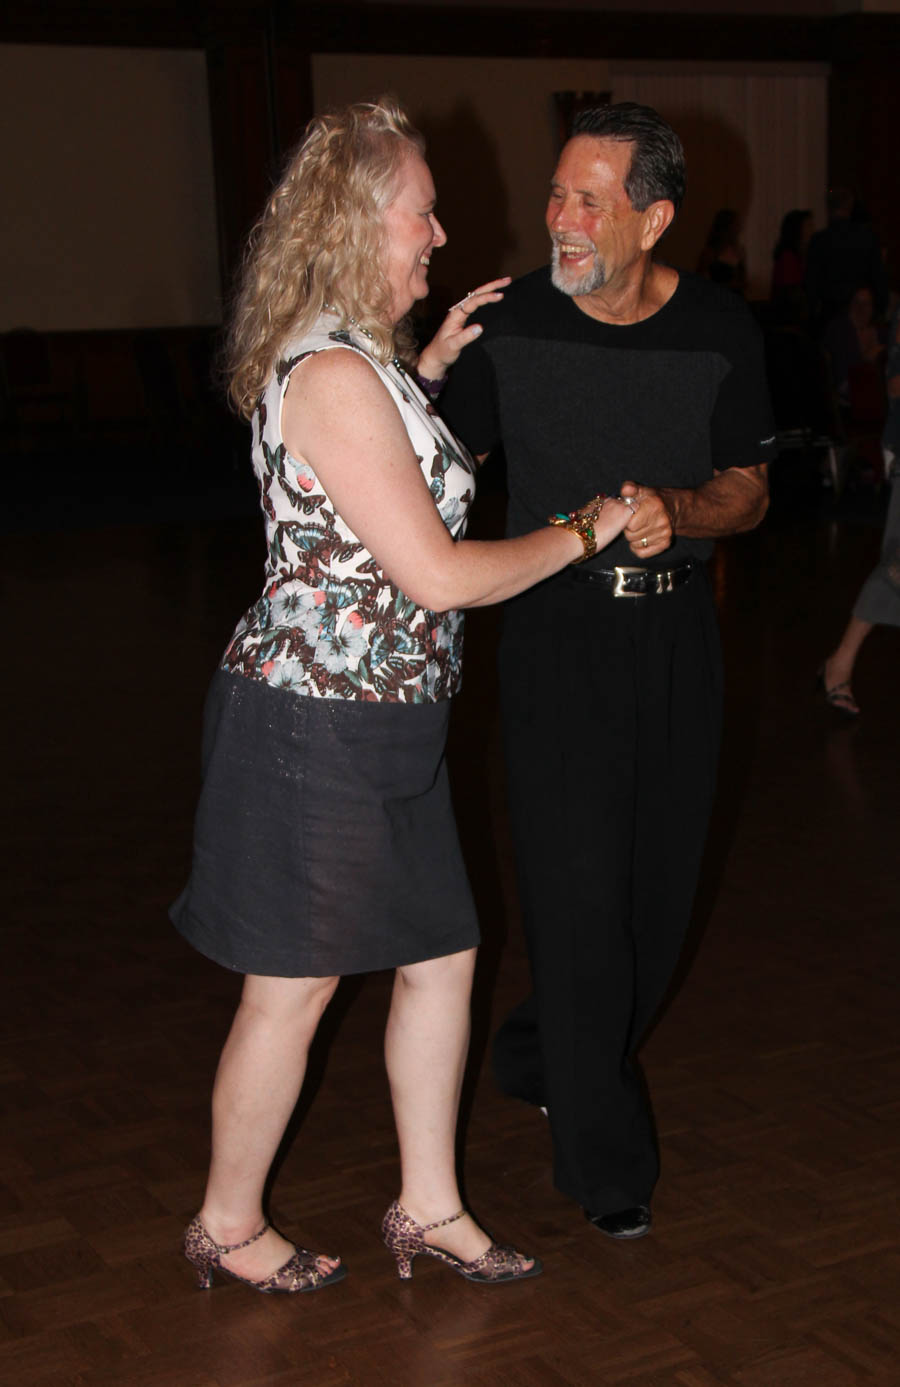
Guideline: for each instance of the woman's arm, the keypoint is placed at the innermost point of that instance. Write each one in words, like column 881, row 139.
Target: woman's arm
column 339, row 418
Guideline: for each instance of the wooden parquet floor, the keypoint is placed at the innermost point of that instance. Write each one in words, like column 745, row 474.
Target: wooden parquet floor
column 775, row 1255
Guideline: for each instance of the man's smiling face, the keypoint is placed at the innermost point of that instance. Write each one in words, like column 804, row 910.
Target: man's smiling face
column 597, row 235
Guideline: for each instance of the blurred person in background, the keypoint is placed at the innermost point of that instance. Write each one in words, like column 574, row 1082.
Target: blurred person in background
column 722, row 258
column 789, row 254
column 879, row 600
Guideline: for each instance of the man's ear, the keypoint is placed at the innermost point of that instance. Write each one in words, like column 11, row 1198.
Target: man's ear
column 657, row 219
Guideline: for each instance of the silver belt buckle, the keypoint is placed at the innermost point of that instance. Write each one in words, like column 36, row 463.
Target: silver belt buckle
column 619, row 589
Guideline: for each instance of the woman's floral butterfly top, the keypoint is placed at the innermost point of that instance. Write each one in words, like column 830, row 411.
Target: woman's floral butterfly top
column 330, row 623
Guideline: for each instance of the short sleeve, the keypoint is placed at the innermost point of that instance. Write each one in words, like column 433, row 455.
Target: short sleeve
column 742, row 427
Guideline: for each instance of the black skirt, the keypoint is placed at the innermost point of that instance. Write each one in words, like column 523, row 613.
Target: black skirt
column 324, row 841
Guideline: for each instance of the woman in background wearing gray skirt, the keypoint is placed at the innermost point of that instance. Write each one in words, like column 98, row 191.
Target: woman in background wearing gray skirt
column 878, row 603
column 324, row 840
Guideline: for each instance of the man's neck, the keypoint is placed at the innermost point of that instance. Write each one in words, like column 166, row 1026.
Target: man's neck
column 640, row 297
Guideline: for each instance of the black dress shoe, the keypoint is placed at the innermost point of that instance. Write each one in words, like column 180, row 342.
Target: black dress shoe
column 624, row 1223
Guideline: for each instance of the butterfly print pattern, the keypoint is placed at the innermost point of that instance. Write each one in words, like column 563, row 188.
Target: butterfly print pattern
column 329, row 622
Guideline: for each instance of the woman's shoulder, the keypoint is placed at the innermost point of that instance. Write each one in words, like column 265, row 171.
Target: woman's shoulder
column 336, row 360
column 339, row 387
column 320, row 336
column 329, row 354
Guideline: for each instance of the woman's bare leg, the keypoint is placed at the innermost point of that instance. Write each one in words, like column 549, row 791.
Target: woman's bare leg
column 426, row 1043
column 839, row 665
column 257, row 1085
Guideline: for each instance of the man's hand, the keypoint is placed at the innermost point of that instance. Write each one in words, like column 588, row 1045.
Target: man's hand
column 730, row 503
column 651, row 528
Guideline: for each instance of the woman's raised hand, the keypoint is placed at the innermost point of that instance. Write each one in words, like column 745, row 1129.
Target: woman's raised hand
column 454, row 332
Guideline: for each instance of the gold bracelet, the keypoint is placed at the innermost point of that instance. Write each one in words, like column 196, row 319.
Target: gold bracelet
column 580, row 527
column 592, row 509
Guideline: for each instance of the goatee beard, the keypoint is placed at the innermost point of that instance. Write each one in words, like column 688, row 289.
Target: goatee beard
column 575, row 285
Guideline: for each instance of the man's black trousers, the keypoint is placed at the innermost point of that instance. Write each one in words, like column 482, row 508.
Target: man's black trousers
column 612, row 712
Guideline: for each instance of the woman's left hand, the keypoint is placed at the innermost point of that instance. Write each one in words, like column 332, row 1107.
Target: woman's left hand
column 454, row 332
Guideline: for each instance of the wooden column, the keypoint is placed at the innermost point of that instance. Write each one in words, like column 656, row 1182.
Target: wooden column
column 863, row 121
column 260, row 93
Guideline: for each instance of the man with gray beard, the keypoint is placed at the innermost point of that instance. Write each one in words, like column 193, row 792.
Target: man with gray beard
column 612, row 372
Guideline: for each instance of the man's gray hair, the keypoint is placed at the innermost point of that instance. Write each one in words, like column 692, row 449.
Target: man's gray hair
column 657, row 171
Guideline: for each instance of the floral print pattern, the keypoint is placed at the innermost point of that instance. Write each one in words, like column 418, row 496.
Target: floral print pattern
column 330, row 623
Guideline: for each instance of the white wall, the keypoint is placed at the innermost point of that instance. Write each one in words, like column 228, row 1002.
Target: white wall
column 109, row 212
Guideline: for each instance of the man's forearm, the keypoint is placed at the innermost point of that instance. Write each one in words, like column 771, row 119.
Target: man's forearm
column 729, row 503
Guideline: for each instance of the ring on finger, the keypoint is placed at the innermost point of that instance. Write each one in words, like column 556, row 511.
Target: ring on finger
column 644, row 542
column 465, row 299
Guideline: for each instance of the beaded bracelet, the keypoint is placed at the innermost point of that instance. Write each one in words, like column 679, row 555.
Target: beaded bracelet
column 431, row 388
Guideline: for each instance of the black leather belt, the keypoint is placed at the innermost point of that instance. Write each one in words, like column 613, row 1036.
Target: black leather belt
column 636, row 582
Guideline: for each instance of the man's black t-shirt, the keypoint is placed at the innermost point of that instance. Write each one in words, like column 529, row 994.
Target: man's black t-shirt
column 581, row 406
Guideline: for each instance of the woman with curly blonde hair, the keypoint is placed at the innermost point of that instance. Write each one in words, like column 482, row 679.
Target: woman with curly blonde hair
column 319, row 243
column 324, row 841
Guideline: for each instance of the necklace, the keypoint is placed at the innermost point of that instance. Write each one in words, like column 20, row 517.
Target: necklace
column 364, row 331
column 330, row 308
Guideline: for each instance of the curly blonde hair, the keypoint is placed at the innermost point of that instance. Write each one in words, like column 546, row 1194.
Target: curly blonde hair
column 321, row 241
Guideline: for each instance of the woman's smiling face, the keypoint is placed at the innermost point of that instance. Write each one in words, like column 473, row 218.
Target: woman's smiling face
column 412, row 231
